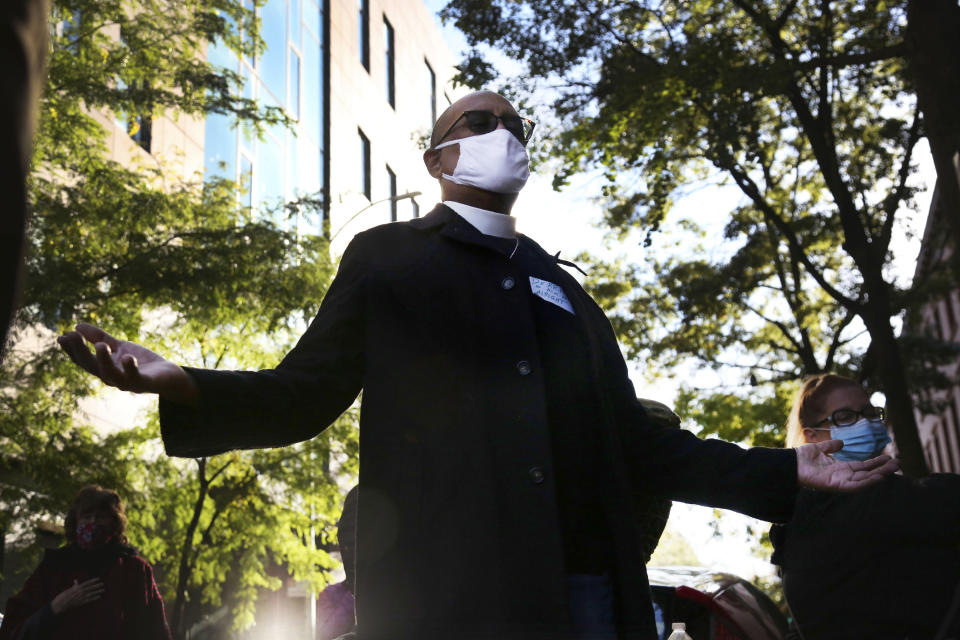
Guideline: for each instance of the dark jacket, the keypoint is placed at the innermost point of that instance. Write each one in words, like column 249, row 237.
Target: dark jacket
column 881, row 563
column 458, row 528
column 129, row 609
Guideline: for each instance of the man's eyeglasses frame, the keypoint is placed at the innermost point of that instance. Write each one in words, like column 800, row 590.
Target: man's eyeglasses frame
column 519, row 123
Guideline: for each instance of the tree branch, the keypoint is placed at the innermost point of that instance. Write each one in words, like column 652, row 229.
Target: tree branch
column 892, row 202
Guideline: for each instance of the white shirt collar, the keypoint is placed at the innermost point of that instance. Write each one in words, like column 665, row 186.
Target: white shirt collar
column 489, row 223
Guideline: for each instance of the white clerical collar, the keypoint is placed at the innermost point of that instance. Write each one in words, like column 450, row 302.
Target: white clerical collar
column 489, row 223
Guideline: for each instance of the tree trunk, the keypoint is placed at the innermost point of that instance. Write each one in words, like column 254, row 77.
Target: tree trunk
column 178, row 623
column 892, row 376
column 933, row 31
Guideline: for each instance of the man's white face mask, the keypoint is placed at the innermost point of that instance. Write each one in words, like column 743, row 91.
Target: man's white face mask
column 494, row 161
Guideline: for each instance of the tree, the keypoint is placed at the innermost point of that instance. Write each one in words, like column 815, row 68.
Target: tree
column 933, row 27
column 176, row 264
column 806, row 107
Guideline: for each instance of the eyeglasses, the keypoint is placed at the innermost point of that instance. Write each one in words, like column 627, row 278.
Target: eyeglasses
column 848, row 417
column 486, row 121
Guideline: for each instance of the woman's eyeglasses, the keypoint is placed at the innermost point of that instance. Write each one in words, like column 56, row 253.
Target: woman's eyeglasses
column 848, row 417
column 486, row 121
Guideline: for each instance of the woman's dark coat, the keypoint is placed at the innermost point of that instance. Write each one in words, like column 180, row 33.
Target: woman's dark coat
column 130, row 608
column 882, row 563
column 458, row 534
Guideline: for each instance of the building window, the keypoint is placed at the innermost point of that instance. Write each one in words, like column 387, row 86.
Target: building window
column 248, row 37
column 392, row 181
column 388, row 47
column 246, row 180
column 414, row 208
column 364, row 164
column 140, row 129
column 432, row 80
column 293, row 100
column 364, row 35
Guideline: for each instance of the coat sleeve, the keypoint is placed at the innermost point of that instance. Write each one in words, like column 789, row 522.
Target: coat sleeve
column 308, row 390
column 676, row 464
column 149, row 620
column 28, row 615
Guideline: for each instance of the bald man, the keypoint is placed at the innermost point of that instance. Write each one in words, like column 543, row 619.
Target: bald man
column 501, row 442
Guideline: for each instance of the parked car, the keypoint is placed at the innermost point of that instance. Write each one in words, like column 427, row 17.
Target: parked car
column 714, row 606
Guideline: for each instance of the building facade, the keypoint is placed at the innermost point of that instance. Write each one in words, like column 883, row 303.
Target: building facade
column 364, row 80
column 940, row 427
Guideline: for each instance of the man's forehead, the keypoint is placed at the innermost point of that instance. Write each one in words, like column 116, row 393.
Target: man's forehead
column 483, row 100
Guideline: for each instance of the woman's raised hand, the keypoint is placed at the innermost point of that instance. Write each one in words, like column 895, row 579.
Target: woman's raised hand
column 127, row 365
column 77, row 595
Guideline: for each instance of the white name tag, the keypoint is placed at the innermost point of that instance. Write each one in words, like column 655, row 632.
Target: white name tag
column 550, row 292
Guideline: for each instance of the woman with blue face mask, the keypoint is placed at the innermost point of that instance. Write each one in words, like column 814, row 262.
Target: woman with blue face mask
column 883, row 563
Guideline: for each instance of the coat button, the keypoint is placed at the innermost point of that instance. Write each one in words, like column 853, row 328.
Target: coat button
column 523, row 367
column 508, row 283
column 536, row 475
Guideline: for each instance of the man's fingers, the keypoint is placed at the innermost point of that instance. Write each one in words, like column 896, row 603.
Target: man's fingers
column 96, row 334
column 78, row 351
column 109, row 372
column 830, row 446
column 873, row 463
column 130, row 370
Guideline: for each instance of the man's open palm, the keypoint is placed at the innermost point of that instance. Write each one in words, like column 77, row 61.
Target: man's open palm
column 817, row 470
column 126, row 365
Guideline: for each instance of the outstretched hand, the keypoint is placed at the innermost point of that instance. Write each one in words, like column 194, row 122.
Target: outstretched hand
column 127, row 365
column 817, row 470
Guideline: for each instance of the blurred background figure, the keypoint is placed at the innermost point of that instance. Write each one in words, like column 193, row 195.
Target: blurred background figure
column 95, row 587
column 23, row 49
column 882, row 563
column 335, row 604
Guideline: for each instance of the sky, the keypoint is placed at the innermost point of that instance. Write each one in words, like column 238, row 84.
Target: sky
column 569, row 222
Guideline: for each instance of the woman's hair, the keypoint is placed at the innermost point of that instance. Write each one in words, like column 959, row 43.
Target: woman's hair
column 95, row 499
column 808, row 405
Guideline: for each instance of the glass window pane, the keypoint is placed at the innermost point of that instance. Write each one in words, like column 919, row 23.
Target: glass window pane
column 311, row 82
column 220, row 147
column 365, row 178
column 313, row 18
column 293, row 99
column 220, row 55
column 388, row 48
column 392, row 186
column 249, row 6
column 310, row 180
column 363, row 37
column 246, row 181
column 269, row 178
column 295, row 22
column 274, row 32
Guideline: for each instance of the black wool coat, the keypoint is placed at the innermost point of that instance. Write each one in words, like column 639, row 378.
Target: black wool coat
column 882, row 563
column 457, row 524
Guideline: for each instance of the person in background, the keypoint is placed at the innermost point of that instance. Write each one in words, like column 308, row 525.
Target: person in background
column 881, row 563
column 96, row 587
column 335, row 605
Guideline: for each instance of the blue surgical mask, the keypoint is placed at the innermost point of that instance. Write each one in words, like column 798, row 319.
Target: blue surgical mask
column 862, row 440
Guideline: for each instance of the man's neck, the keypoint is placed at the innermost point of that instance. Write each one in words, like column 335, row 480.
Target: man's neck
column 487, row 200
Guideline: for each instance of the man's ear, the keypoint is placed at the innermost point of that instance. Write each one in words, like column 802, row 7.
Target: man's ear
column 431, row 159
